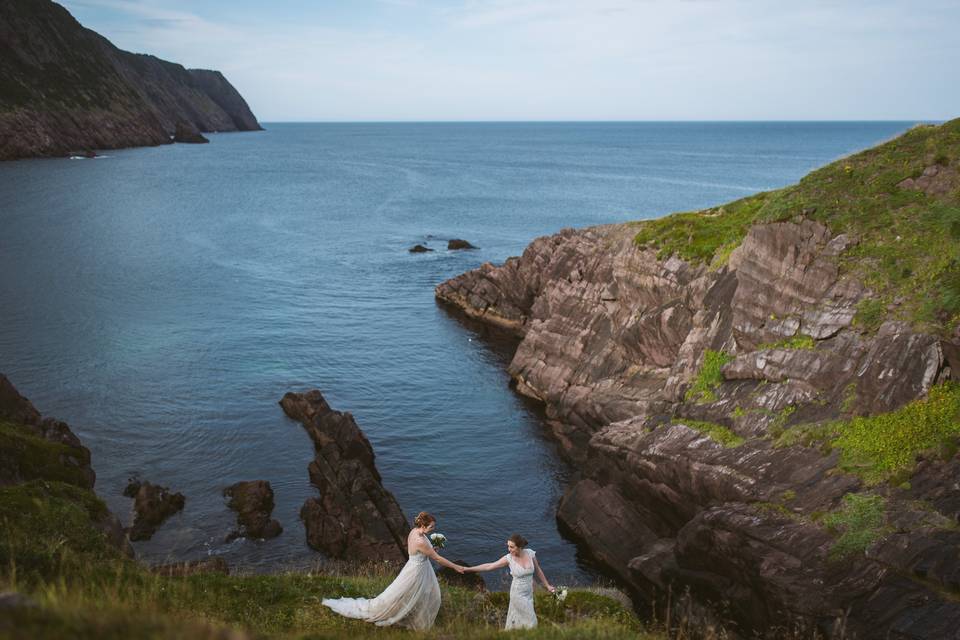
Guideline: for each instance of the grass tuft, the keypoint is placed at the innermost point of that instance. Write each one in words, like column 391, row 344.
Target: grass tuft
column 717, row 432
column 860, row 522
column 885, row 446
column 708, row 378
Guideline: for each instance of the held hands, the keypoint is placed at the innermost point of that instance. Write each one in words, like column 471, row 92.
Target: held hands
column 459, row 569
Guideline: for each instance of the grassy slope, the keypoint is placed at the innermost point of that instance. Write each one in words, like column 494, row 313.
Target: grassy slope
column 50, row 551
column 908, row 246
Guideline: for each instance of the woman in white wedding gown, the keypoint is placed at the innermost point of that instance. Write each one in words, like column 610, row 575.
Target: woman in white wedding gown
column 523, row 565
column 413, row 598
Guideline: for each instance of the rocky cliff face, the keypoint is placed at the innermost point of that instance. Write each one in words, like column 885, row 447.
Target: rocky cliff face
column 728, row 485
column 65, row 88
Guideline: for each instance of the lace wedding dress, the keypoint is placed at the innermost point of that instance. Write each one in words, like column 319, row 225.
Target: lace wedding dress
column 521, row 615
column 412, row 599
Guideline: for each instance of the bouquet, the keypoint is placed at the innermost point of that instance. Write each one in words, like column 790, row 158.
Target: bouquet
column 560, row 594
column 438, row 540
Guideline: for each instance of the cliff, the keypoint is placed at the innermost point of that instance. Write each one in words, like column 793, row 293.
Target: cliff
column 65, row 88
column 759, row 396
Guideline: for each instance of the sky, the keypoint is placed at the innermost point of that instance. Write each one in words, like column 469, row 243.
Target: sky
column 423, row 60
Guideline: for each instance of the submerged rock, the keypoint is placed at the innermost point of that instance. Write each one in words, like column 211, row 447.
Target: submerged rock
column 419, row 248
column 253, row 502
column 355, row 516
column 152, row 505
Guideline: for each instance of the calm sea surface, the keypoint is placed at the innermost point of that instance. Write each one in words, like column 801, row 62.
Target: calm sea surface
column 162, row 301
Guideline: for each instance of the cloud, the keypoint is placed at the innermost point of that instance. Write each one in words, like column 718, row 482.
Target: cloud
column 558, row 59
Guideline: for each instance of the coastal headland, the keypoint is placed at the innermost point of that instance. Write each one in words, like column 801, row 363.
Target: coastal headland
column 65, row 89
column 760, row 398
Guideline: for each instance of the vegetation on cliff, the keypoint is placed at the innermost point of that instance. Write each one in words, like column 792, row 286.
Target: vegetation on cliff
column 64, row 88
column 899, row 201
column 82, row 586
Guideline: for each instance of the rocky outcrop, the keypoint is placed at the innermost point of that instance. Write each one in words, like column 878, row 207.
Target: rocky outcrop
column 354, row 516
column 73, row 459
column 253, row 502
column 64, row 87
column 187, row 133
column 152, row 505
column 613, row 337
column 456, row 244
column 68, row 461
column 419, row 248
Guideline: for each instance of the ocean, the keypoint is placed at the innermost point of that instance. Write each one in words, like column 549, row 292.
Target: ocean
column 162, row 300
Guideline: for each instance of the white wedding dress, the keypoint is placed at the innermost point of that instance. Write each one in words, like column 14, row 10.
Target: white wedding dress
column 412, row 599
column 521, row 615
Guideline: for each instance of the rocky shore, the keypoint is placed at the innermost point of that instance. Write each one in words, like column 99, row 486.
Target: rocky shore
column 65, row 88
column 708, row 405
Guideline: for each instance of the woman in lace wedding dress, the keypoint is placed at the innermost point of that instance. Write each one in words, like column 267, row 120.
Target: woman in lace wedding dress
column 523, row 565
column 413, row 598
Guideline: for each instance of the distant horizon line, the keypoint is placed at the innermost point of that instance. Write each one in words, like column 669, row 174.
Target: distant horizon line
column 738, row 121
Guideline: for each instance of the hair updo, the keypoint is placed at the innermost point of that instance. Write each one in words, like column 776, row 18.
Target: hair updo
column 423, row 519
column 518, row 540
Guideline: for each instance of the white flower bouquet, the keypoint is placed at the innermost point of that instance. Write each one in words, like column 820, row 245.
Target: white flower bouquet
column 560, row 594
column 438, row 540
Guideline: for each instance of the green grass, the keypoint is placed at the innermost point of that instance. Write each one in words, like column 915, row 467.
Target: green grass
column 908, row 242
column 708, row 378
column 696, row 236
column 885, row 446
column 799, row 341
column 24, row 456
column 52, row 551
column 717, row 432
column 859, row 522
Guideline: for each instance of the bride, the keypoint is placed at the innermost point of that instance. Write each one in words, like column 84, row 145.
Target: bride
column 413, row 598
column 523, row 565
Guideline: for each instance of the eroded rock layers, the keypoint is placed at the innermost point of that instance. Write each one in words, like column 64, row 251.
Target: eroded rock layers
column 613, row 337
column 354, row 516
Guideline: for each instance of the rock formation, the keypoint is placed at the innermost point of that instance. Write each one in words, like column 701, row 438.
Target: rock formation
column 457, row 244
column 419, row 248
column 187, row 133
column 19, row 413
column 253, row 502
column 152, row 505
column 682, row 489
column 64, row 87
column 63, row 459
column 354, row 517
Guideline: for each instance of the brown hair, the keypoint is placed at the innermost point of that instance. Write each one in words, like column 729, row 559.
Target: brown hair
column 423, row 519
column 518, row 540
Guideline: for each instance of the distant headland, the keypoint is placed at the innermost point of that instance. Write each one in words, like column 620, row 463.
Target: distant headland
column 66, row 89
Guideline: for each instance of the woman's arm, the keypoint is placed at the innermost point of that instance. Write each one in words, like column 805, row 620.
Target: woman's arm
column 490, row 566
column 430, row 552
column 540, row 575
